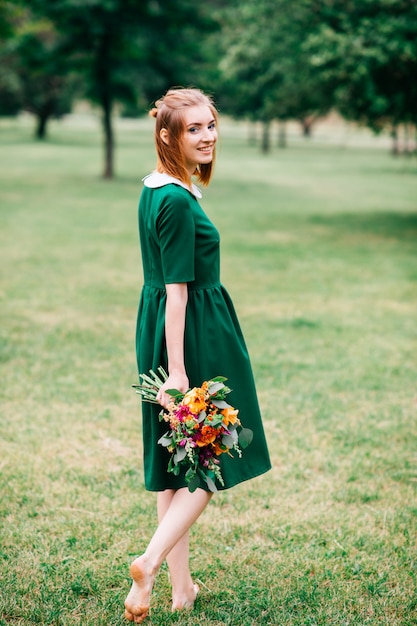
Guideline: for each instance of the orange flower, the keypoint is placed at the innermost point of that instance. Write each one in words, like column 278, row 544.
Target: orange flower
column 208, row 435
column 230, row 416
column 218, row 450
column 194, row 399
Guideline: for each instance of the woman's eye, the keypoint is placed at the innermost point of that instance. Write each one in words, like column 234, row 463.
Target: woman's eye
column 212, row 126
column 193, row 129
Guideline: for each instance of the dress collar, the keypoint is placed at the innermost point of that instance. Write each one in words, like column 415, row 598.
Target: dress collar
column 158, row 179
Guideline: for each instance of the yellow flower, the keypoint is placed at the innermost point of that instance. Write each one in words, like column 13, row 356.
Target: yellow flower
column 195, row 400
column 230, row 416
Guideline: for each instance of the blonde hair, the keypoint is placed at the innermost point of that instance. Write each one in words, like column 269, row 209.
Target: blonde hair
column 168, row 112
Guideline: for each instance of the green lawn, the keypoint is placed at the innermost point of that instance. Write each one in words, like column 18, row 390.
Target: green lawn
column 319, row 255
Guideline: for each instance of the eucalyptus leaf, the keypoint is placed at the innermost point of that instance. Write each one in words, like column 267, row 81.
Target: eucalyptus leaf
column 234, row 435
column 227, row 440
column 221, row 404
column 245, row 437
column 215, row 388
column 180, row 454
column 218, row 379
column 210, row 484
column 165, row 440
column 202, row 416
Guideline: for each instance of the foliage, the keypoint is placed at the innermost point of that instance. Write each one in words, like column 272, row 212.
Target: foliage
column 296, row 61
column 366, row 52
column 262, row 60
column 10, row 97
column 265, row 70
column 127, row 51
column 37, row 74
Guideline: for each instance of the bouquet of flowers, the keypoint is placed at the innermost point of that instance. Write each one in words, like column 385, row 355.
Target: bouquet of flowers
column 202, row 427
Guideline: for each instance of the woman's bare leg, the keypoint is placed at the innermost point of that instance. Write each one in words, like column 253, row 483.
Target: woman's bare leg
column 183, row 510
column 184, row 591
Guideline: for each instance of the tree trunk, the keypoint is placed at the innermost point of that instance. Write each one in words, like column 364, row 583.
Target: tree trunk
column 394, row 136
column 252, row 133
column 307, row 125
column 41, row 122
column 266, row 136
column 282, row 134
column 409, row 140
column 108, row 139
column 103, row 68
column 406, row 140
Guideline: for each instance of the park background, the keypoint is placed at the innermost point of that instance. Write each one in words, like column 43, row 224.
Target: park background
column 318, row 221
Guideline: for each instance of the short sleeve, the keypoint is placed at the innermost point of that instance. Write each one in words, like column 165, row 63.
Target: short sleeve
column 176, row 233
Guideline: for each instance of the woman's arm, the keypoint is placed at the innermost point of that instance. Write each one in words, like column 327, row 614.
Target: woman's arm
column 176, row 305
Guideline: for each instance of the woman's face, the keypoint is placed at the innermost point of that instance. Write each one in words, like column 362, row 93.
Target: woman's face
column 199, row 137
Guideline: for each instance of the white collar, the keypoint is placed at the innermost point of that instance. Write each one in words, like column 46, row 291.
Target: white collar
column 158, row 179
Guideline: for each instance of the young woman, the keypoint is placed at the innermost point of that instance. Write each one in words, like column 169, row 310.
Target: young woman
column 187, row 324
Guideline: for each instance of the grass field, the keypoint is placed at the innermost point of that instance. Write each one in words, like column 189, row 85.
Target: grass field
column 319, row 255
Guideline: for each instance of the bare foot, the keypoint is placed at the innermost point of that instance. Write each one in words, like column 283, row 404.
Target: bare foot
column 139, row 596
column 185, row 601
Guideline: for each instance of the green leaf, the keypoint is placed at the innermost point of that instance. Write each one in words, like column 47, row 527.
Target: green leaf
column 218, row 379
column 193, row 483
column 245, row 437
column 217, row 420
column 174, row 393
column 190, row 473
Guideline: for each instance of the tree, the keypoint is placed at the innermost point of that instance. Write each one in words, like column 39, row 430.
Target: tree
column 366, row 54
column 35, row 75
column 10, row 98
column 126, row 48
column 265, row 70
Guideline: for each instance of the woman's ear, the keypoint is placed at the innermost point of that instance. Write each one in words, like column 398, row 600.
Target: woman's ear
column 163, row 133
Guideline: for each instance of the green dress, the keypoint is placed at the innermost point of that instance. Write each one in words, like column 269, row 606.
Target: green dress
column 179, row 244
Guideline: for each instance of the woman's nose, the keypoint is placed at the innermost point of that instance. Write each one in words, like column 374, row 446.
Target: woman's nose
column 209, row 135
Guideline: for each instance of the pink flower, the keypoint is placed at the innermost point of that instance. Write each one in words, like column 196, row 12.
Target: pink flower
column 182, row 412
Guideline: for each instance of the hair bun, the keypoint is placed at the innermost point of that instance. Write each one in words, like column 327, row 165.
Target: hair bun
column 153, row 112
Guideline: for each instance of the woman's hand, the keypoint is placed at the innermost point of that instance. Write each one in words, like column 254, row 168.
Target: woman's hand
column 174, row 381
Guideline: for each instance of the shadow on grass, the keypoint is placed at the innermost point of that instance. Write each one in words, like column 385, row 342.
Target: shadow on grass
column 384, row 224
